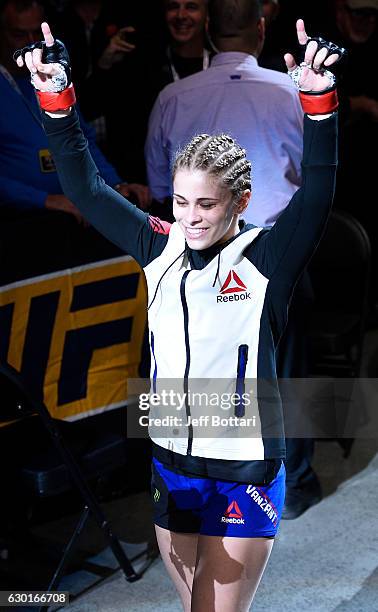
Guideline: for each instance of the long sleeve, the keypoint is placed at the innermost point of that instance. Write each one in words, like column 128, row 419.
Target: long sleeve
column 157, row 157
column 282, row 253
column 134, row 231
column 107, row 171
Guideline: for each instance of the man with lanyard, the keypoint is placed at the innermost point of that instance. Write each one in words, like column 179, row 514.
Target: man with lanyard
column 268, row 122
column 186, row 51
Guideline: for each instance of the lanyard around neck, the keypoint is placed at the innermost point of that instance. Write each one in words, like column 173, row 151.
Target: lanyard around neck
column 175, row 74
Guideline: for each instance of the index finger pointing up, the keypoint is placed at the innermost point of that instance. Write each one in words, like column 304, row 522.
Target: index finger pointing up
column 301, row 32
column 49, row 39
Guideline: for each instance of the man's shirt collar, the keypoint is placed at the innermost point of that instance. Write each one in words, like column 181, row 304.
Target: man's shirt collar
column 234, row 57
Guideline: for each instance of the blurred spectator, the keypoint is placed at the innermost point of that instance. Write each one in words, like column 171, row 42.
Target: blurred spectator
column 271, row 55
column 186, row 52
column 271, row 9
column 355, row 27
column 258, row 107
column 119, row 44
column 28, row 179
column 138, row 63
column 82, row 27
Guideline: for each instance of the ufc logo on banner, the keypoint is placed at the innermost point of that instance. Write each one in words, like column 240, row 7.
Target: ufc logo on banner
column 76, row 335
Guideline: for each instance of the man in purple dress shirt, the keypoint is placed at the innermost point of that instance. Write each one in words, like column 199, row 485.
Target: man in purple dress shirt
column 258, row 107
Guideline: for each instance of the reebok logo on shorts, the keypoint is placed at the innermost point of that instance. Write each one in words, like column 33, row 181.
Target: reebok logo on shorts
column 233, row 514
column 264, row 502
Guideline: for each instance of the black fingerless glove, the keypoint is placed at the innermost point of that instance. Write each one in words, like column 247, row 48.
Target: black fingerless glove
column 61, row 95
column 56, row 54
column 326, row 101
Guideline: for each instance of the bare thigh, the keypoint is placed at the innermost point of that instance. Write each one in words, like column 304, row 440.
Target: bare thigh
column 228, row 572
column 179, row 553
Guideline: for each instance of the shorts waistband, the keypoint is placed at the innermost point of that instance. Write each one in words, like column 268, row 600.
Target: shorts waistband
column 258, row 472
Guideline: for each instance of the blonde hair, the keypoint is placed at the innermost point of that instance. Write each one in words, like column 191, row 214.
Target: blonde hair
column 219, row 156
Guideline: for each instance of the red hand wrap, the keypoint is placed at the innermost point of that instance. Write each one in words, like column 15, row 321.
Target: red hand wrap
column 52, row 102
column 319, row 104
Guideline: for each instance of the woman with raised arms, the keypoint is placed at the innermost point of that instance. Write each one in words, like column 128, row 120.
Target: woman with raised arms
column 218, row 292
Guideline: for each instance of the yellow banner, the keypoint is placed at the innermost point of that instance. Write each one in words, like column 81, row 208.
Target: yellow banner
column 76, row 335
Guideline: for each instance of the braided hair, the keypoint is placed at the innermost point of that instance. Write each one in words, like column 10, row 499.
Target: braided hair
column 221, row 157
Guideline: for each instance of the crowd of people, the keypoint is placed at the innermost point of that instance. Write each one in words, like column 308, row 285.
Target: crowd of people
column 135, row 51
column 149, row 78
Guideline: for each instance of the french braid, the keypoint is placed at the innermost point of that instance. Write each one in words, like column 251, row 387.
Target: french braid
column 220, row 156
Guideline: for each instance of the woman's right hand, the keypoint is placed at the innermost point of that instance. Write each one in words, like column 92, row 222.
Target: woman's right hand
column 50, row 75
column 50, row 69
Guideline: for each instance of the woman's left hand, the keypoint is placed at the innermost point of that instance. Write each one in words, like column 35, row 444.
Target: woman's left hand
column 312, row 72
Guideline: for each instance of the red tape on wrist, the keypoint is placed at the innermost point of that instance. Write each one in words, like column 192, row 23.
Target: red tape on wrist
column 52, row 102
column 319, row 104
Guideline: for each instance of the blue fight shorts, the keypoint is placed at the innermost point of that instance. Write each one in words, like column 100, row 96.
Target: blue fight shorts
column 194, row 504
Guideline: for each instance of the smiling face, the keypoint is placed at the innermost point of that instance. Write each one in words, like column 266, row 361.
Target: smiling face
column 205, row 209
column 186, row 19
